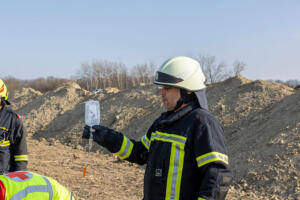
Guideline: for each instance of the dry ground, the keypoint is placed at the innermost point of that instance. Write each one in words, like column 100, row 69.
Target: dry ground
column 261, row 121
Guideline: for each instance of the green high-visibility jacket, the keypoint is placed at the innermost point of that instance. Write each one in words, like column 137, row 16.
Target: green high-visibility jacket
column 23, row 185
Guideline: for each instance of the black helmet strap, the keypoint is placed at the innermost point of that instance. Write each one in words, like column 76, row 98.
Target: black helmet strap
column 4, row 102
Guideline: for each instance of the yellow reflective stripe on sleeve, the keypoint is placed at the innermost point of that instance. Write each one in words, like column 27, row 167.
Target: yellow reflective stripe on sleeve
column 200, row 198
column 3, row 128
column 4, row 143
column 126, row 148
column 146, row 142
column 175, row 172
column 211, row 157
column 21, row 157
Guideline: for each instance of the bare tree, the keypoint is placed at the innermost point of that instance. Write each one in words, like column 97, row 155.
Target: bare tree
column 238, row 67
column 41, row 84
column 45, row 84
column 103, row 74
column 213, row 72
column 12, row 83
column 150, row 72
column 84, row 74
column 122, row 76
column 143, row 73
column 139, row 71
column 96, row 71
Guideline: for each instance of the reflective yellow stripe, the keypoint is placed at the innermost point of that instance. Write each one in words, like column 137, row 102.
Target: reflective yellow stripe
column 211, row 157
column 200, row 198
column 176, row 162
column 21, row 157
column 35, row 189
column 166, row 137
column 170, row 174
column 126, row 148
column 29, row 185
column 171, row 135
column 179, row 172
column 175, row 171
column 146, row 142
column 4, row 143
column 3, row 128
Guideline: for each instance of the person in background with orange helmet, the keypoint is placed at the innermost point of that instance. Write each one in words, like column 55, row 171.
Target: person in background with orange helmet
column 13, row 145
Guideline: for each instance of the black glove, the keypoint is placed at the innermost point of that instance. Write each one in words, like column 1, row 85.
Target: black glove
column 86, row 132
column 104, row 136
column 98, row 132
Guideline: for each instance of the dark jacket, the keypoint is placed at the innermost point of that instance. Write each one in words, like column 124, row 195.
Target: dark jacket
column 13, row 147
column 185, row 155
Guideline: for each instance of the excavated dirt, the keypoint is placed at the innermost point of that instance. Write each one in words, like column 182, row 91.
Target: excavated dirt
column 23, row 96
column 261, row 121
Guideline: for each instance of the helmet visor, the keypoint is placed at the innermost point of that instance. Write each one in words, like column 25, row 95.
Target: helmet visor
column 166, row 78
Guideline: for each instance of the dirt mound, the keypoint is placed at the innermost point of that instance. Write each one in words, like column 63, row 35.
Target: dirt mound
column 265, row 151
column 41, row 111
column 21, row 97
column 235, row 98
column 261, row 121
column 130, row 111
column 106, row 178
column 111, row 90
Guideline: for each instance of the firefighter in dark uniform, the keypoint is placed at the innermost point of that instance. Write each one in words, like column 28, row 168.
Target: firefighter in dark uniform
column 184, row 149
column 13, row 146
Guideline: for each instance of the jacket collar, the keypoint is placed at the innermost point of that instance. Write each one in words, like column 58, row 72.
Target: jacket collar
column 171, row 117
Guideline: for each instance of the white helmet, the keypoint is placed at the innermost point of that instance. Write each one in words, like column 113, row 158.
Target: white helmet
column 182, row 72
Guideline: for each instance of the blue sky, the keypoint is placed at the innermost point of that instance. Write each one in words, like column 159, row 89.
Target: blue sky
column 53, row 38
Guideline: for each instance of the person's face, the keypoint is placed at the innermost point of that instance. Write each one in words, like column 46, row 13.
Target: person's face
column 169, row 96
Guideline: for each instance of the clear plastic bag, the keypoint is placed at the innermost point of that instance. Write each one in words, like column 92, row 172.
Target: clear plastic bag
column 92, row 113
column 92, row 117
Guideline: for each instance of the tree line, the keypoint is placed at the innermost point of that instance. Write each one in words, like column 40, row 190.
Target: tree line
column 104, row 74
column 40, row 84
column 291, row 82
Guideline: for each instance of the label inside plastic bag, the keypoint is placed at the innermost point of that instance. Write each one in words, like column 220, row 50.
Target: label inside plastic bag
column 92, row 113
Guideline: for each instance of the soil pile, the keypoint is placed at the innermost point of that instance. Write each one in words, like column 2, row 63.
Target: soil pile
column 261, row 122
column 23, row 96
column 106, row 177
column 235, row 98
column 41, row 111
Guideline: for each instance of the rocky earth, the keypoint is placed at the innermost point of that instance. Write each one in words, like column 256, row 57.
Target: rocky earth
column 261, row 120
